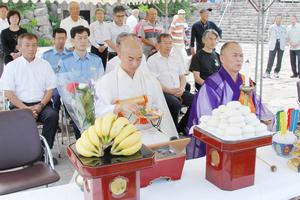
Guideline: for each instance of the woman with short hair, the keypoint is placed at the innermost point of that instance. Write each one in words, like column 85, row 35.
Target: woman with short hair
column 9, row 36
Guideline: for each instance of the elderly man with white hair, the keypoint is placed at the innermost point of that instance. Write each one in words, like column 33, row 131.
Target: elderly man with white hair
column 72, row 21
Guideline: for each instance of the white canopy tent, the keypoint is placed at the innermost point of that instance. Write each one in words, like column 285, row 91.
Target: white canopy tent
column 111, row 2
column 100, row 1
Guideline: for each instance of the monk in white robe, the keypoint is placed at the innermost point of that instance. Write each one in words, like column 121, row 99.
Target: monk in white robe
column 131, row 82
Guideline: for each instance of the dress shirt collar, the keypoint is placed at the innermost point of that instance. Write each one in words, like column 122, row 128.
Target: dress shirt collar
column 161, row 56
column 55, row 52
column 79, row 18
column 171, row 54
column 77, row 57
column 114, row 24
column 100, row 23
column 26, row 61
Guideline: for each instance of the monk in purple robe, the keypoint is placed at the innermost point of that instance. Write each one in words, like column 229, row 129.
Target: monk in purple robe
column 219, row 89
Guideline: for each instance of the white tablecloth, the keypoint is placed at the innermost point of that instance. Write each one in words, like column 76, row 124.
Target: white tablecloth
column 281, row 185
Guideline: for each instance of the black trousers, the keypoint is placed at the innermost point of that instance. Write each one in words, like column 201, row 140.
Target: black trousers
column 294, row 55
column 175, row 104
column 272, row 55
column 102, row 55
column 1, row 62
column 111, row 55
column 49, row 118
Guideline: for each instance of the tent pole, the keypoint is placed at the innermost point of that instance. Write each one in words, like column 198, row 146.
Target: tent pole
column 257, row 44
column 262, row 51
column 166, row 16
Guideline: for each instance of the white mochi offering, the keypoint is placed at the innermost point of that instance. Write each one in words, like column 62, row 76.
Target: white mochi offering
column 240, row 124
column 204, row 119
column 245, row 110
column 223, row 125
column 219, row 131
column 250, row 118
column 211, row 129
column 215, row 112
column 236, row 119
column 223, row 117
column 248, row 130
column 221, row 109
column 234, row 104
column 229, row 112
column 233, row 131
column 255, row 122
column 203, row 126
column 287, row 138
column 260, row 129
column 213, row 122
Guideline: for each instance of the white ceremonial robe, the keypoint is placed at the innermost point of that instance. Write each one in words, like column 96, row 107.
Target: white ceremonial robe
column 118, row 85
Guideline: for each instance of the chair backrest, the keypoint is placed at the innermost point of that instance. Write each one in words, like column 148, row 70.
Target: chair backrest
column 298, row 90
column 19, row 139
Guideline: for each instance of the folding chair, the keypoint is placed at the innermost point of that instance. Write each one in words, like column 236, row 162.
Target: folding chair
column 21, row 150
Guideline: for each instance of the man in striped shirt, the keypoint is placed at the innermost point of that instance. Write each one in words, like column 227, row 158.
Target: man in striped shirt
column 177, row 32
column 149, row 32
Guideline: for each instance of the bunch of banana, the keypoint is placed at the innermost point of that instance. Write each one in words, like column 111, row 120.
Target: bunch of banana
column 109, row 130
column 89, row 145
column 109, row 127
column 128, row 142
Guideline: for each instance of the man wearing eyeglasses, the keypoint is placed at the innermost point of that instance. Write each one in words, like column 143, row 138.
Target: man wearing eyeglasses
column 114, row 29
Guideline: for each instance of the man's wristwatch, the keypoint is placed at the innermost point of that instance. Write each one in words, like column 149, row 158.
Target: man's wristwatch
column 42, row 105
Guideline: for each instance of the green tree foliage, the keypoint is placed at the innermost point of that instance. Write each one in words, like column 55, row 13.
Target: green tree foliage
column 143, row 8
column 21, row 7
column 30, row 25
column 174, row 7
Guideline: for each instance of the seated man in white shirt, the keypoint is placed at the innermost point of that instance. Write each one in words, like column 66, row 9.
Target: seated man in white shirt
column 115, row 61
column 115, row 90
column 28, row 82
column 114, row 29
column 72, row 21
column 169, row 70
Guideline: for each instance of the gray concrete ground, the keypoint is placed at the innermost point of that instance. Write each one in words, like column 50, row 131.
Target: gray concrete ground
column 277, row 94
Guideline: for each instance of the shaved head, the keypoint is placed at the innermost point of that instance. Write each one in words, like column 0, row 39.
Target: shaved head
column 129, row 42
column 227, row 46
column 232, row 57
column 130, row 54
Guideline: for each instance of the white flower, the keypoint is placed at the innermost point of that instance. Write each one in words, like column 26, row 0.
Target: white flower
column 82, row 85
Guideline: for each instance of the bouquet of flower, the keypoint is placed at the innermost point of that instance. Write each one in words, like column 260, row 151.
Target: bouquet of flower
column 78, row 98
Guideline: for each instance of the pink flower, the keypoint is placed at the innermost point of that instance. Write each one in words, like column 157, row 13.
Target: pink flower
column 71, row 87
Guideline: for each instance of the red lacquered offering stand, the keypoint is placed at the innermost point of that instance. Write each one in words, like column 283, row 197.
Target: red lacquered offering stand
column 230, row 165
column 169, row 162
column 111, row 177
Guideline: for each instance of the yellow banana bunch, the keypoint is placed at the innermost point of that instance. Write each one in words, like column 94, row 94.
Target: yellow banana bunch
column 129, row 145
column 125, row 132
column 107, row 122
column 109, row 130
column 95, row 140
column 130, row 150
column 86, row 149
column 117, row 127
column 98, row 126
